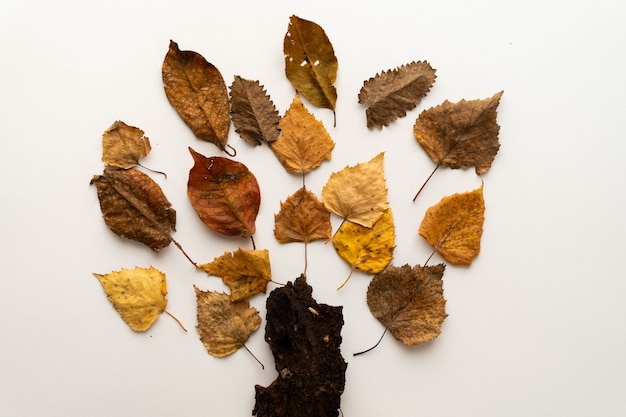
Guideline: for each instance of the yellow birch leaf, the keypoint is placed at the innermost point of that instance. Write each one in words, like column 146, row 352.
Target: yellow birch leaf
column 124, row 145
column 365, row 248
column 454, row 226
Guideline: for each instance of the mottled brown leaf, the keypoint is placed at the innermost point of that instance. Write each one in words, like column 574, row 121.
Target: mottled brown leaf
column 390, row 94
column 124, row 145
column 409, row 302
column 134, row 207
column 196, row 90
column 304, row 142
column 310, row 62
column 302, row 218
column 254, row 115
column 225, row 194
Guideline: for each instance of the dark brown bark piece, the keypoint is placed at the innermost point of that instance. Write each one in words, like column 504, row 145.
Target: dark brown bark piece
column 305, row 339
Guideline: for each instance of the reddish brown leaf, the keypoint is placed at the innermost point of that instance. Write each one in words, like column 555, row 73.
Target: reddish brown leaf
column 302, row 218
column 254, row 115
column 225, row 194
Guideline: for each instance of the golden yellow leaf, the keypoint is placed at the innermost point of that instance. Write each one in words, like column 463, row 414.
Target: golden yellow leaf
column 358, row 194
column 246, row 272
column 138, row 295
column 454, row 226
column 124, row 145
column 365, row 248
column 224, row 326
column 304, row 142
column 302, row 218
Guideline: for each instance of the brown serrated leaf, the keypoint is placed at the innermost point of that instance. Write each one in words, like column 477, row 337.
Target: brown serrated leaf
column 454, row 226
column 304, row 142
column 246, row 272
column 310, row 62
column 302, row 218
column 224, row 326
column 196, row 90
column 134, row 207
column 390, row 94
column 124, row 145
column 254, row 115
column 225, row 194
column 409, row 302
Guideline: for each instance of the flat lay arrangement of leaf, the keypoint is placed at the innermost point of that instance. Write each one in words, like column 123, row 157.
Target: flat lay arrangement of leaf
column 454, row 226
column 390, row 94
column 225, row 194
column 254, row 115
column 305, row 339
column 246, row 272
column 302, row 218
column 196, row 90
column 310, row 62
column 123, row 146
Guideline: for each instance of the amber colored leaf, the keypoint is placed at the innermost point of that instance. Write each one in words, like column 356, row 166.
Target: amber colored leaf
column 359, row 193
column 138, row 295
column 302, row 218
column 246, row 272
column 254, row 115
column 225, row 194
column 224, row 326
column 310, row 62
column 390, row 94
column 454, row 226
column 369, row 249
column 304, row 142
column 409, row 302
column 134, row 207
column 460, row 135
column 196, row 90
column 124, row 145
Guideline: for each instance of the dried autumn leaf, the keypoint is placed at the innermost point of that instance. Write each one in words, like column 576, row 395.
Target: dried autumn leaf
column 305, row 339
column 369, row 249
column 392, row 93
column 304, row 143
column 225, row 194
column 409, row 302
column 359, row 193
column 138, row 295
column 302, row 218
column 124, row 145
column 310, row 62
column 224, row 326
column 454, row 226
column 134, row 207
column 460, row 135
column 254, row 115
column 246, row 272
column 196, row 90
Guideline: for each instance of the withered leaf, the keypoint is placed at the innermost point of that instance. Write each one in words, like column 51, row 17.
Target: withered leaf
column 460, row 135
column 390, row 94
column 225, row 194
column 305, row 339
column 310, row 62
column 409, row 302
column 246, row 272
column 224, row 326
column 196, row 90
column 124, row 145
column 304, row 142
column 359, row 193
column 454, row 226
column 254, row 115
column 134, row 207
column 302, row 218
column 369, row 249
column 138, row 295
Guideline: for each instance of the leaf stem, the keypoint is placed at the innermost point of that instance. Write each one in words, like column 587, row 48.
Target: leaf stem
column 232, row 153
column 183, row 251
column 175, row 318
column 252, row 354
column 306, row 260
column 426, row 182
column 377, row 343
column 336, row 231
column 431, row 255
column 253, row 244
column 346, row 281
column 152, row 170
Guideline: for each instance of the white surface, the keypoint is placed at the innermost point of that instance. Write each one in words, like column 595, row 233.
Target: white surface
column 536, row 324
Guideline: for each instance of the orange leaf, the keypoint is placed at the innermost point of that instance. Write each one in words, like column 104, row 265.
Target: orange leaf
column 123, row 146
column 302, row 218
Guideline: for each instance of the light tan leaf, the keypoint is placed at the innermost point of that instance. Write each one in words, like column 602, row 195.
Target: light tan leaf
column 124, row 145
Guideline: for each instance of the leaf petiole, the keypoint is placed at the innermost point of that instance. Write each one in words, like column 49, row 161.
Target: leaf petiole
column 175, row 318
column 373, row 347
column 426, row 182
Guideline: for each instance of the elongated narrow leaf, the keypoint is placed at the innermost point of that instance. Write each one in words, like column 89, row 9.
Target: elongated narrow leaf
column 254, row 115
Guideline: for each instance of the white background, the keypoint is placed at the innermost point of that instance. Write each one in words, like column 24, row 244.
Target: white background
column 536, row 324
